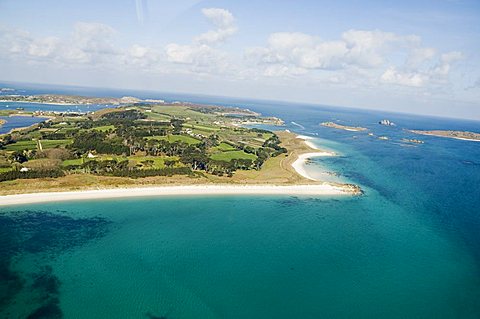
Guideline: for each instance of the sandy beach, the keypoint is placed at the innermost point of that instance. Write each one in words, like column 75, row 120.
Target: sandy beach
column 311, row 190
column 299, row 164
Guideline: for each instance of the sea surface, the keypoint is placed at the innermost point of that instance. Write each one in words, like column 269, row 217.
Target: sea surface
column 12, row 122
column 408, row 248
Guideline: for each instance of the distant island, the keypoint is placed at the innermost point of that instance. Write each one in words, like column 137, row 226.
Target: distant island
column 460, row 135
column 60, row 99
column 138, row 144
column 343, row 127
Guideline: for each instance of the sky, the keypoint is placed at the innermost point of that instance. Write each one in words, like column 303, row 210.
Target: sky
column 418, row 57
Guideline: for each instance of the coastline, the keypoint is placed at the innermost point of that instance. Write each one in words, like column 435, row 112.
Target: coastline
column 300, row 162
column 46, row 103
column 309, row 190
column 281, row 176
column 445, row 136
column 26, row 127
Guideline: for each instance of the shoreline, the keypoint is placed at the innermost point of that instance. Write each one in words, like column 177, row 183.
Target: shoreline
column 163, row 191
column 296, row 184
column 299, row 164
column 446, row 136
column 26, row 127
column 47, row 103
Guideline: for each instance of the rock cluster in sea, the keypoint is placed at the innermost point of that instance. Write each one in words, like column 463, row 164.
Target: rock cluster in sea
column 386, row 123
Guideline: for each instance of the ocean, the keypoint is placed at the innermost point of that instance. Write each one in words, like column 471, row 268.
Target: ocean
column 408, row 248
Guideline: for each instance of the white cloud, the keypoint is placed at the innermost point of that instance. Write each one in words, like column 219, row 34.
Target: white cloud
column 419, row 56
column 202, row 55
column 393, row 76
column 45, row 47
column 354, row 59
column 224, row 22
column 89, row 43
column 437, row 74
column 446, row 61
column 374, row 57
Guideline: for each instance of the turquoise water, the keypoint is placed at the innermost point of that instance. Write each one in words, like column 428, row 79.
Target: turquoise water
column 408, row 248
column 253, row 257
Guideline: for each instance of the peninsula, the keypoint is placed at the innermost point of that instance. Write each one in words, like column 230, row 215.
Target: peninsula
column 159, row 145
column 460, row 135
column 60, row 99
column 343, row 127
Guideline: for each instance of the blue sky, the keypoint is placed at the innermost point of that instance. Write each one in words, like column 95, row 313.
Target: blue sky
column 407, row 56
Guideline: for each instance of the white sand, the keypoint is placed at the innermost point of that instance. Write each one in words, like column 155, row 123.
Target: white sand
column 299, row 164
column 312, row 190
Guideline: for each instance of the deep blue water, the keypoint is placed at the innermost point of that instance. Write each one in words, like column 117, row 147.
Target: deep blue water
column 408, row 248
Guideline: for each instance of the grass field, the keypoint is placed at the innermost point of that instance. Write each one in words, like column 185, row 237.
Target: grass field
column 231, row 155
column 31, row 145
column 176, row 138
column 224, row 147
column 104, row 128
column 201, row 127
column 76, row 161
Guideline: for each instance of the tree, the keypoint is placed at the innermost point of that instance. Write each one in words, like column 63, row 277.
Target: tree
column 19, row 157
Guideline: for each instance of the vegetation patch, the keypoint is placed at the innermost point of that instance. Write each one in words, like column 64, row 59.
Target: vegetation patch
column 232, row 155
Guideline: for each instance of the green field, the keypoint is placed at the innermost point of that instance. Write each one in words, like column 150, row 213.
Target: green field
column 31, row 145
column 224, row 147
column 104, row 128
column 76, row 161
column 176, row 138
column 201, row 127
column 231, row 155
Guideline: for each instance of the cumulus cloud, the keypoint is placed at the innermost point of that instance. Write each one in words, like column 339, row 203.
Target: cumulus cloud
column 224, row 22
column 419, row 56
column 438, row 73
column 370, row 54
column 202, row 55
column 355, row 48
column 88, row 43
column 356, row 58
column 393, row 76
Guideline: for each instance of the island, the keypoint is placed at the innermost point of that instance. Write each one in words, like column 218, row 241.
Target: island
column 60, row 99
column 158, row 145
column 460, row 135
column 343, row 127
column 2, row 121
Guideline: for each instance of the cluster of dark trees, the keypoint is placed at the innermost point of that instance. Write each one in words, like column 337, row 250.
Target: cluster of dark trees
column 11, row 175
column 125, row 115
column 95, row 140
column 122, row 169
column 167, row 171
